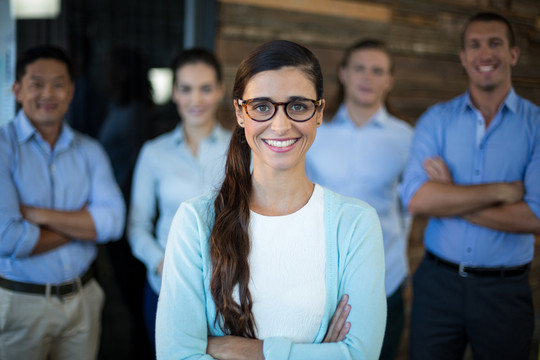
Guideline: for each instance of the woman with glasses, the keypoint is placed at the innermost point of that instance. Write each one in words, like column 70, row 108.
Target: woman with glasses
column 273, row 266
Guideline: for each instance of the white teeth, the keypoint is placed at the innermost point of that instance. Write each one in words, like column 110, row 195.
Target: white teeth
column 277, row 143
column 486, row 68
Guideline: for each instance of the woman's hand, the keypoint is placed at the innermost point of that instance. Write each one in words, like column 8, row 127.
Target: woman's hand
column 234, row 348
column 238, row 348
column 339, row 326
column 159, row 269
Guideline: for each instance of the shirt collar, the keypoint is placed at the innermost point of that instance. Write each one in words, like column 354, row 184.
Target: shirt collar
column 380, row 118
column 179, row 136
column 26, row 131
column 23, row 128
column 510, row 102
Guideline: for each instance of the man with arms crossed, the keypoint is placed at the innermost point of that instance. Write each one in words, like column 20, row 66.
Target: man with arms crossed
column 59, row 198
column 362, row 153
column 475, row 170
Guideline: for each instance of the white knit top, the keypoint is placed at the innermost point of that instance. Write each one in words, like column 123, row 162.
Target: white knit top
column 287, row 266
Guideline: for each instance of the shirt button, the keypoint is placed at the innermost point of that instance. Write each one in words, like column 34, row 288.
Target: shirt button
column 477, row 172
column 469, row 249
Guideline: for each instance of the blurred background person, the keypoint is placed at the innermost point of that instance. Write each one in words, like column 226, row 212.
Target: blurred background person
column 88, row 107
column 177, row 166
column 474, row 170
column 59, row 200
column 362, row 153
column 127, row 124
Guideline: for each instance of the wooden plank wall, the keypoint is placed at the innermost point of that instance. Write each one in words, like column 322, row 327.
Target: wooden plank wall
column 423, row 36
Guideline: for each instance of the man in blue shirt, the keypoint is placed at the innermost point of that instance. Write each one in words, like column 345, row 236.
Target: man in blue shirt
column 362, row 153
column 474, row 170
column 59, row 198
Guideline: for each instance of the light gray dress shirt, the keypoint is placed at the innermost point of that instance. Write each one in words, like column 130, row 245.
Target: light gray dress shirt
column 166, row 174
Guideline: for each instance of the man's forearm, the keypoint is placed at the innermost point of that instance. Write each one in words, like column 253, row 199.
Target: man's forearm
column 517, row 218
column 443, row 200
column 49, row 240
column 73, row 224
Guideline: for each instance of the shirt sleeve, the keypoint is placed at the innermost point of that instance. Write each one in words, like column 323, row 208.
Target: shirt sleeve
column 18, row 236
column 181, row 322
column 532, row 174
column 361, row 258
column 106, row 204
column 424, row 145
column 142, row 213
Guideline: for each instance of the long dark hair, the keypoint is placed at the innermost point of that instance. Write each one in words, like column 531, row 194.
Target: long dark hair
column 229, row 241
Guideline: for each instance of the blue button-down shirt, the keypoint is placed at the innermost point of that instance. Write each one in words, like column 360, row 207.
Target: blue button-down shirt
column 167, row 173
column 366, row 162
column 508, row 150
column 74, row 174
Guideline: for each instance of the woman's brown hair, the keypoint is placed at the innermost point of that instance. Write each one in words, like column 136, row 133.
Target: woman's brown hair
column 229, row 240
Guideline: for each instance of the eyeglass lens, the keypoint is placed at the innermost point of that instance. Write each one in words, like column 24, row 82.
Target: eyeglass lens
column 299, row 110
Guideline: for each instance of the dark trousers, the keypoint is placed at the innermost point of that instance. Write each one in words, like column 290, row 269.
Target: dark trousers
column 150, row 301
column 395, row 321
column 494, row 315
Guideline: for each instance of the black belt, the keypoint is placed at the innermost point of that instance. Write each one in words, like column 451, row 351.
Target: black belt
column 479, row 271
column 61, row 290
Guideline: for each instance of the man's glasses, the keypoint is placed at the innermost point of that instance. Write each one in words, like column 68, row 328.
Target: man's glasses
column 263, row 109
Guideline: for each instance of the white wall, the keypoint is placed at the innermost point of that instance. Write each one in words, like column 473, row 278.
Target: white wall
column 7, row 63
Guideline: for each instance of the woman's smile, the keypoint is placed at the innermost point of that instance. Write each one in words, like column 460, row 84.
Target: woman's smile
column 280, row 144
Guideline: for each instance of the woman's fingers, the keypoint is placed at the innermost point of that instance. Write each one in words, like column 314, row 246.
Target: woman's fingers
column 344, row 331
column 339, row 327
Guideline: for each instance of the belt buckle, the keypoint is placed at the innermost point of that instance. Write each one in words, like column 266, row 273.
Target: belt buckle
column 462, row 271
column 63, row 295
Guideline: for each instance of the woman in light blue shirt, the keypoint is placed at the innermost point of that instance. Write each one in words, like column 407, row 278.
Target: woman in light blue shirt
column 257, row 269
column 177, row 166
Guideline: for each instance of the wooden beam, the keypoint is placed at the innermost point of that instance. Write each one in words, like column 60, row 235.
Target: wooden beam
column 339, row 8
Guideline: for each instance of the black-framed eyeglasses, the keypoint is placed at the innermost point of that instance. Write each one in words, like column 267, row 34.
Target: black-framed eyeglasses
column 263, row 109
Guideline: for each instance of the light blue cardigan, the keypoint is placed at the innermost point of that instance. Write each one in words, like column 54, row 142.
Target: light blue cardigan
column 354, row 266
